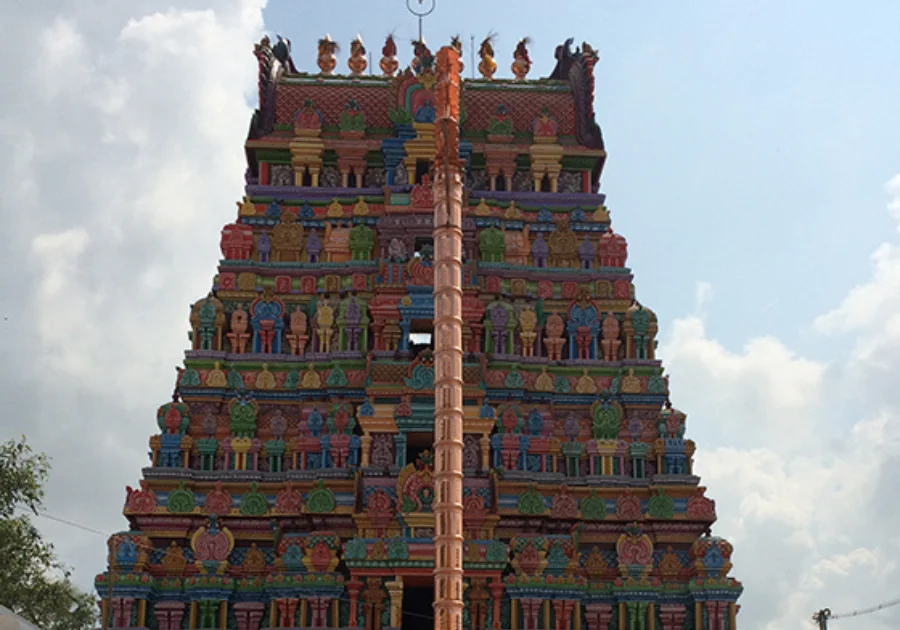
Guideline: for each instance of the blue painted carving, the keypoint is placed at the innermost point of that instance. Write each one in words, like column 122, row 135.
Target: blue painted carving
column 583, row 315
column 267, row 315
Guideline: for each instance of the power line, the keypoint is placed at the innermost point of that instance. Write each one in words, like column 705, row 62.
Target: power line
column 866, row 611
column 823, row 616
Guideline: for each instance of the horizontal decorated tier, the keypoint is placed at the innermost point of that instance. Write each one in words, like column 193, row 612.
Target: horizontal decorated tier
column 291, row 482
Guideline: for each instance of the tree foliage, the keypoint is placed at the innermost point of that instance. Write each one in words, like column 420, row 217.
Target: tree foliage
column 33, row 583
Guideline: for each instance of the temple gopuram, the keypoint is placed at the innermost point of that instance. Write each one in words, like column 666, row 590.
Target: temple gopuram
column 295, row 478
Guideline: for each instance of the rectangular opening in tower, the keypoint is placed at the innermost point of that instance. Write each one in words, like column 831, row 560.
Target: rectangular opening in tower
column 421, row 335
column 418, row 607
column 417, row 443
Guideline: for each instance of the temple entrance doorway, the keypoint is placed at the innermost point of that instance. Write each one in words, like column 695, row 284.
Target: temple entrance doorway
column 418, row 604
column 416, row 444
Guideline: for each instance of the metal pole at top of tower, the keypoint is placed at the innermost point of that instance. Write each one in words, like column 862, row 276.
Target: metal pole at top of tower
column 421, row 12
column 448, row 376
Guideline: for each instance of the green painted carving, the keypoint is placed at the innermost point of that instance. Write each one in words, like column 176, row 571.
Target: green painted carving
column 173, row 417
column 422, row 378
column 362, row 241
column 243, row 417
column 531, row 502
column 641, row 321
column 352, row 119
column 561, row 385
column 397, row 549
column 337, row 378
column 356, row 549
column 593, row 508
column 400, row 116
column 235, row 380
column 181, row 501
column 320, row 499
column 656, row 385
column 254, row 503
column 189, row 378
column 491, row 244
column 614, row 386
column 292, row 379
column 501, row 124
column 661, row 506
column 606, row 421
column 514, row 380
column 496, row 552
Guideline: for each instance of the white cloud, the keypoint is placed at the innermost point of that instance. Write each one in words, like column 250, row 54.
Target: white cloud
column 803, row 491
column 123, row 161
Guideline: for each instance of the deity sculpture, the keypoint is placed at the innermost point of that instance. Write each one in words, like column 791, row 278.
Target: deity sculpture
column 324, row 323
column 563, row 245
column 287, row 239
column 337, row 243
column 238, row 335
column 527, row 334
column 313, row 247
column 613, row 250
column 553, row 339
column 610, row 342
column 539, row 251
column 264, row 247
column 517, row 246
column 246, row 208
column 298, row 335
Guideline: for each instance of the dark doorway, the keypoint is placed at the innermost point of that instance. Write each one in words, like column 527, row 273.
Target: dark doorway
column 416, row 444
column 422, row 168
column 418, row 611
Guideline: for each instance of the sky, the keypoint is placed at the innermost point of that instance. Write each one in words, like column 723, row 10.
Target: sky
column 754, row 165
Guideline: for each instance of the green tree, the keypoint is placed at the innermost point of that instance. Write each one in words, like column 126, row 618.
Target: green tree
column 33, row 583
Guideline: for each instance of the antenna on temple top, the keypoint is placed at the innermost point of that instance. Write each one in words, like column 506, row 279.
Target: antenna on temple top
column 421, row 12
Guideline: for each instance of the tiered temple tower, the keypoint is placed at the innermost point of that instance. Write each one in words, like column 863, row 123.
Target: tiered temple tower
column 293, row 480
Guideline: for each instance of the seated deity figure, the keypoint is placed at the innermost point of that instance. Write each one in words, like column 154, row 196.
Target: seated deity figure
column 554, row 340
column 298, row 336
column 287, row 239
column 238, row 335
column 527, row 334
column 610, row 338
column 517, row 246
column 324, row 324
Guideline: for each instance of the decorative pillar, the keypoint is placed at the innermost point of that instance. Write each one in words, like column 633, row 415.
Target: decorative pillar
column 448, row 383
column 247, row 614
column 598, row 616
column 496, row 599
column 122, row 607
column 485, row 452
column 365, row 447
column 353, row 588
column 169, row 615
column 395, row 592
column 400, row 449
column 672, row 616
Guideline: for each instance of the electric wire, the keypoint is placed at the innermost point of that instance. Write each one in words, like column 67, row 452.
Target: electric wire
column 866, row 611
